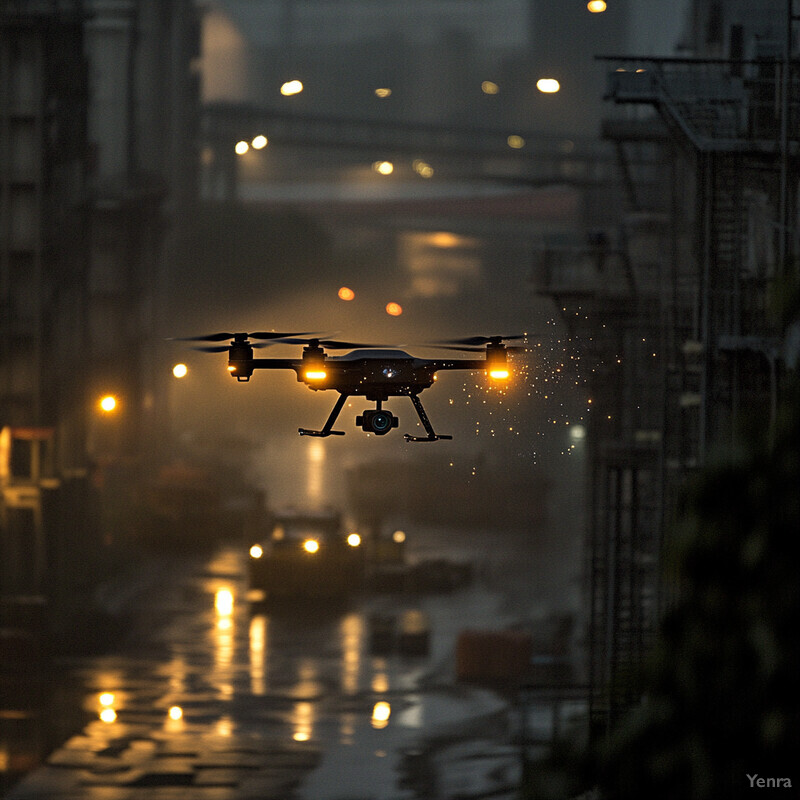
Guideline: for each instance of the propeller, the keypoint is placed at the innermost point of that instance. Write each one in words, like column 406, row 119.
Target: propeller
column 477, row 341
column 222, row 336
column 332, row 344
column 222, row 348
column 476, row 344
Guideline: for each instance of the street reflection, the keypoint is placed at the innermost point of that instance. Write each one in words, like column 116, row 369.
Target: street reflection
column 224, row 643
column 380, row 680
column 177, row 674
column 351, row 631
column 381, row 712
column 303, row 716
column 174, row 722
column 315, row 481
column 307, row 682
column 224, row 726
column 259, row 631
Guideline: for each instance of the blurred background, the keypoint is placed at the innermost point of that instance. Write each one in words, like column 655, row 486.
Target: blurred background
column 617, row 181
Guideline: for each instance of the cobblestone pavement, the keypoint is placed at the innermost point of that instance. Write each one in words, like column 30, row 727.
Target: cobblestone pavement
column 212, row 698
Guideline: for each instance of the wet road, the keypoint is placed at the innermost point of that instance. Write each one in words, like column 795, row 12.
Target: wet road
column 210, row 697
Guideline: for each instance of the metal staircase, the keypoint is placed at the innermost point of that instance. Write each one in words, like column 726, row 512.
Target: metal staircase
column 719, row 343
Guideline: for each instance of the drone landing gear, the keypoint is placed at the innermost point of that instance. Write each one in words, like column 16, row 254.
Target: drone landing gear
column 426, row 423
column 326, row 428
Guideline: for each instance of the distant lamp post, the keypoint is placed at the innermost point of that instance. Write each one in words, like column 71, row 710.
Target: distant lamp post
column 548, row 85
column 292, row 87
column 108, row 403
column 241, row 148
column 422, row 168
column 180, row 370
column 259, row 142
column 383, row 167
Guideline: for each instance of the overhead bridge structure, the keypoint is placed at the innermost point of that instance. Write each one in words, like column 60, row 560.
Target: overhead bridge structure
column 529, row 157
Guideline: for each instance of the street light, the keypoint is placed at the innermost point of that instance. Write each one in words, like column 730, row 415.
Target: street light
column 548, row 85
column 108, row 403
column 383, row 167
column 291, row 87
column 180, row 370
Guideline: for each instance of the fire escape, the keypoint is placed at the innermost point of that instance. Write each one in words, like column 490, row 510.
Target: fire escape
column 671, row 299
column 725, row 141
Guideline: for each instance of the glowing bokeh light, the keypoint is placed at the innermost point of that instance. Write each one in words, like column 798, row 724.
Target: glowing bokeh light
column 383, row 167
column 596, row 6
column 223, row 602
column 175, row 712
column 108, row 403
column 260, row 142
column 394, row 309
column 180, row 370
column 241, row 148
column 256, row 551
column 346, row 293
column 354, row 540
column 381, row 712
column 445, row 239
column 422, row 168
column 311, row 545
column 291, row 87
column 577, row 432
column 548, row 85
column 489, row 87
column 383, row 92
column 108, row 715
column 515, row 142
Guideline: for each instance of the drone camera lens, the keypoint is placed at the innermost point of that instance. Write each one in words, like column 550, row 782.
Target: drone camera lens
column 377, row 422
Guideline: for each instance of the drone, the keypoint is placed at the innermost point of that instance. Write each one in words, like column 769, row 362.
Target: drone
column 375, row 372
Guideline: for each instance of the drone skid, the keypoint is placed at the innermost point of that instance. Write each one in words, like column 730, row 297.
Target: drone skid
column 327, row 428
column 426, row 423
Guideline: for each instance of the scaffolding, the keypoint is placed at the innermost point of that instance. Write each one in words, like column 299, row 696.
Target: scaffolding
column 678, row 293
column 728, row 160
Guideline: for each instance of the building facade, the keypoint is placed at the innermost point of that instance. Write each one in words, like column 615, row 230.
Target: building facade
column 98, row 108
column 680, row 292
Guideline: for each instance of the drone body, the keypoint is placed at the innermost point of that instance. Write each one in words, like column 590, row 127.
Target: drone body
column 374, row 372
